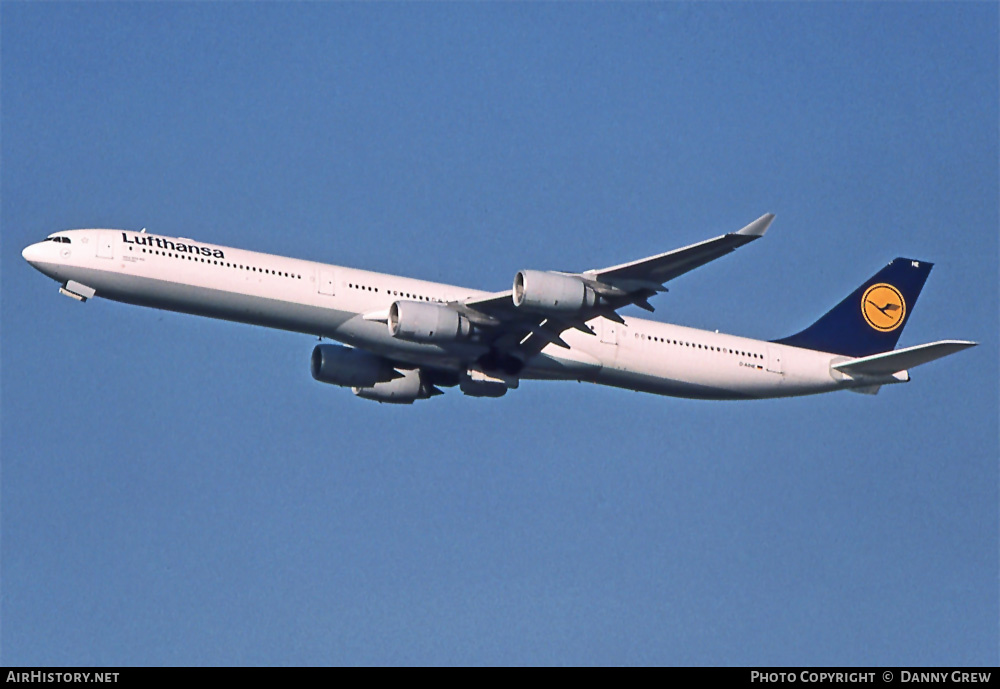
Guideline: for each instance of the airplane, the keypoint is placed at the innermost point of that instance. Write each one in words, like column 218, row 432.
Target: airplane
column 404, row 339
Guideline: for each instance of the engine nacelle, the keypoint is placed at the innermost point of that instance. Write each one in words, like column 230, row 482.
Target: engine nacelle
column 535, row 290
column 424, row 322
column 404, row 390
column 340, row 365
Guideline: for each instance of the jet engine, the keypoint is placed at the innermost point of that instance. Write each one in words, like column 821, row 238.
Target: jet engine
column 535, row 290
column 404, row 390
column 430, row 323
column 340, row 365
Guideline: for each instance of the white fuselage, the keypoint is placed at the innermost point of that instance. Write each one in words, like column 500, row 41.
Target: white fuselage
column 330, row 301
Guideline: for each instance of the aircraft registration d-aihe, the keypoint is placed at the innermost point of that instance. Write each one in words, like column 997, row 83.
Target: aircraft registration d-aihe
column 405, row 339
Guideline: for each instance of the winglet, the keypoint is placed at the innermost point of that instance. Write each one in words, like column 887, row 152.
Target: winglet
column 758, row 227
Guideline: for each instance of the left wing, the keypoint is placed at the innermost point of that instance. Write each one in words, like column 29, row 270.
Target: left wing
column 629, row 283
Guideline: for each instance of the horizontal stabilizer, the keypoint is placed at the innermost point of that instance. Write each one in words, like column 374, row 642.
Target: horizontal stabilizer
column 887, row 363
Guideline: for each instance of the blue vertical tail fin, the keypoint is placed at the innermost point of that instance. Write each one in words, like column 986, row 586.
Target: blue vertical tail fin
column 872, row 318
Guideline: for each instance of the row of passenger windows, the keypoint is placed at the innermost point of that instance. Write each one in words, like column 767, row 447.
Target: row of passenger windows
column 395, row 293
column 224, row 264
column 681, row 343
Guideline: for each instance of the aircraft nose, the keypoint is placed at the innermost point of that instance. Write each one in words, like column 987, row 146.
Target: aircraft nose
column 32, row 253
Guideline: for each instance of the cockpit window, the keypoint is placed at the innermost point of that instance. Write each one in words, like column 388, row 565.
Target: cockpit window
column 57, row 240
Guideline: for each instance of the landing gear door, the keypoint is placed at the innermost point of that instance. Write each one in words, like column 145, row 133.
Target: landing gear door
column 106, row 245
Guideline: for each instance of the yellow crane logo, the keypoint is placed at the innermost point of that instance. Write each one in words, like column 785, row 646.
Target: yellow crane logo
column 883, row 307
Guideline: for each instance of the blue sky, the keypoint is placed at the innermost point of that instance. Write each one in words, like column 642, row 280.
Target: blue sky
column 177, row 490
